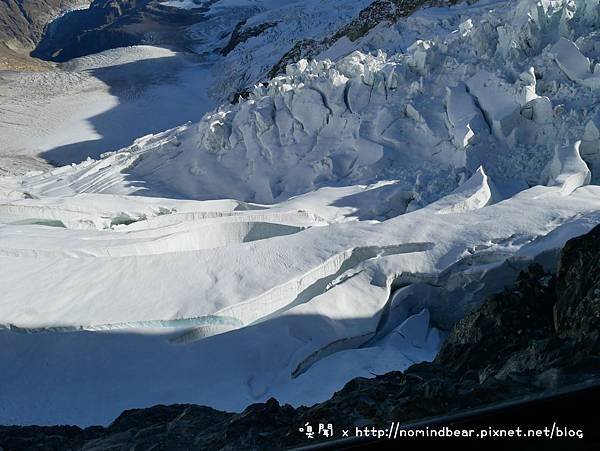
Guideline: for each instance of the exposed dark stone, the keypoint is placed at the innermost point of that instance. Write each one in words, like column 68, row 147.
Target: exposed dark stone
column 541, row 334
column 241, row 34
column 525, row 311
column 577, row 310
column 378, row 12
column 22, row 23
column 305, row 48
column 239, row 96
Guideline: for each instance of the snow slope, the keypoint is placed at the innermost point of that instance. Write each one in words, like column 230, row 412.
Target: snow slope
column 267, row 30
column 100, row 102
column 333, row 225
column 152, row 295
column 103, row 102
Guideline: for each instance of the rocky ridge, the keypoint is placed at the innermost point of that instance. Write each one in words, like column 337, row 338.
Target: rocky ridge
column 22, row 24
column 378, row 12
column 109, row 24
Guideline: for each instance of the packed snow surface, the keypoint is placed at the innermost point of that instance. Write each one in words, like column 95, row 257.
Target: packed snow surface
column 98, row 103
column 333, row 225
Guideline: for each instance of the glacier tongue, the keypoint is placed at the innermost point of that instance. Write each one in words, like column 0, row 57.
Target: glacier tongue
column 330, row 226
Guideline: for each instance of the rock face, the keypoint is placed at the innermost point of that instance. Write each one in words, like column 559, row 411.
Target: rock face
column 22, row 24
column 577, row 310
column 380, row 11
column 540, row 334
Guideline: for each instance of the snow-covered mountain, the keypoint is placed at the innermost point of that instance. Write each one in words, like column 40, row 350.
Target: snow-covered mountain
column 334, row 224
column 102, row 101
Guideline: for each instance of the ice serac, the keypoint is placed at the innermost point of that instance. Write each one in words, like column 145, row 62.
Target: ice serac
column 567, row 169
column 575, row 65
column 475, row 193
column 590, row 148
column 465, row 119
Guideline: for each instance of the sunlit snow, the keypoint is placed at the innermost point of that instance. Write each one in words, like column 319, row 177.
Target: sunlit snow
column 334, row 225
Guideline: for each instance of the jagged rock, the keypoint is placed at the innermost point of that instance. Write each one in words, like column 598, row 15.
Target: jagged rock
column 303, row 49
column 241, row 34
column 525, row 311
column 380, row 11
column 22, row 23
column 577, row 309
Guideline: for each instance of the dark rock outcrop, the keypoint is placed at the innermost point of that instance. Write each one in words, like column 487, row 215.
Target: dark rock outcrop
column 378, row 12
column 577, row 310
column 539, row 335
column 241, row 34
column 22, row 24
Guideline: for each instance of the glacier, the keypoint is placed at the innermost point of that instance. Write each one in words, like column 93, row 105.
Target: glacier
column 333, row 225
